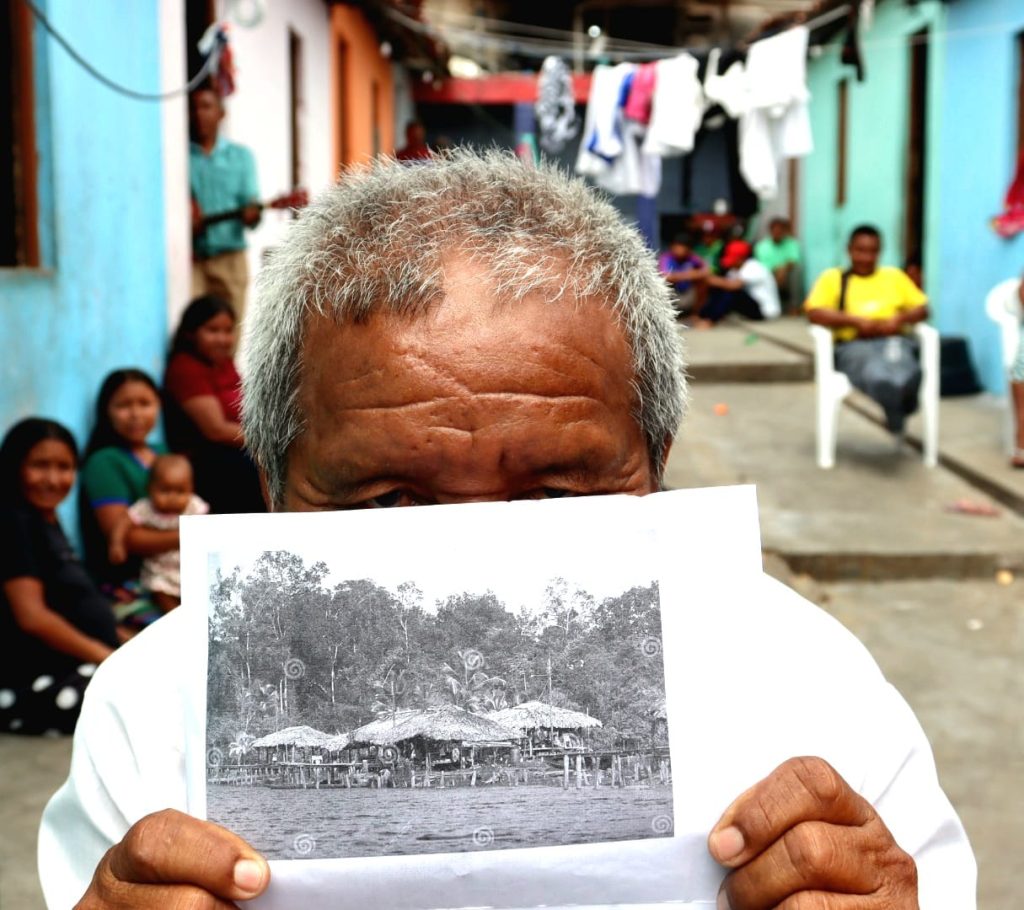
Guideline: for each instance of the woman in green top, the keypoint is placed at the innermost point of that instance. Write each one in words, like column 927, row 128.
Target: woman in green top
column 114, row 474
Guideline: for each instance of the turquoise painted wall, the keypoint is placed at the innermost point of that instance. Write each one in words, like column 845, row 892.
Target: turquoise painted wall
column 876, row 138
column 978, row 153
column 98, row 303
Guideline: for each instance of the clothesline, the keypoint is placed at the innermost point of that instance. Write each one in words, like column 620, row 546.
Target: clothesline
column 625, row 50
column 615, row 49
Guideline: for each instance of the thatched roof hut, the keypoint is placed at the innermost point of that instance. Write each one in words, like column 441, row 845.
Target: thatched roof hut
column 302, row 737
column 382, row 731
column 338, row 742
column 532, row 715
column 443, row 723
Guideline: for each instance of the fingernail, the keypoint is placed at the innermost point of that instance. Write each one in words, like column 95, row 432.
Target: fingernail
column 723, row 901
column 727, row 844
column 248, row 874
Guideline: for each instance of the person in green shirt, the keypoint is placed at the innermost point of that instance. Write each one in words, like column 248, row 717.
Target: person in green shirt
column 780, row 252
column 115, row 473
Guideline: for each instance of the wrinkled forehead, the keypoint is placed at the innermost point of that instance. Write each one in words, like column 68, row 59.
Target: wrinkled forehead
column 476, row 329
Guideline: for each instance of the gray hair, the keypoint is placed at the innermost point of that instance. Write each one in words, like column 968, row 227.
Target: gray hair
column 376, row 241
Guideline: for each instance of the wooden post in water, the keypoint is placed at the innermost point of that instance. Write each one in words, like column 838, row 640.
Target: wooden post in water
column 596, row 764
column 426, row 773
column 565, row 765
column 579, row 771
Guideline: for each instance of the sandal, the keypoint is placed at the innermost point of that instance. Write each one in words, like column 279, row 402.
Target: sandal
column 1017, row 459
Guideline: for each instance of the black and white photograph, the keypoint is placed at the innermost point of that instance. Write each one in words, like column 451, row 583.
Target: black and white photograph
column 363, row 714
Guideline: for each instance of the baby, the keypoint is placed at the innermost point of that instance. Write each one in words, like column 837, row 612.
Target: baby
column 170, row 496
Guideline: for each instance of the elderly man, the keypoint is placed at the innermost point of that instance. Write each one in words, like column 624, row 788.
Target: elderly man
column 478, row 330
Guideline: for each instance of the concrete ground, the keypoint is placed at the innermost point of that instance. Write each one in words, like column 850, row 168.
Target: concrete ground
column 873, row 541
column 33, row 769
column 937, row 595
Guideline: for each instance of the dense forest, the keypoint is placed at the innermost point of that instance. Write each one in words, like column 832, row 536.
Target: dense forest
column 287, row 648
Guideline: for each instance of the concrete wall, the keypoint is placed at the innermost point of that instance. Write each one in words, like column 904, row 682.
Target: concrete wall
column 979, row 149
column 98, row 302
column 259, row 112
column 876, row 139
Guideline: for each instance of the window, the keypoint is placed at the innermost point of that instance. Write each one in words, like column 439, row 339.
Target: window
column 842, row 104
column 19, row 212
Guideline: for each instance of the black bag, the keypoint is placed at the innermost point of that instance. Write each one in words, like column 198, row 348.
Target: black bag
column 956, row 375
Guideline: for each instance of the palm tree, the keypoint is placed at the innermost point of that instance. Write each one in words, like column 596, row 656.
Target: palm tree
column 241, row 745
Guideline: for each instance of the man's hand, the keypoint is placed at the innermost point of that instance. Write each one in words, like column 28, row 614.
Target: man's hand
column 802, row 839
column 169, row 859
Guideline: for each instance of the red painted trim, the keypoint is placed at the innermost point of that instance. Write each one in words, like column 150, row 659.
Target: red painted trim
column 501, row 88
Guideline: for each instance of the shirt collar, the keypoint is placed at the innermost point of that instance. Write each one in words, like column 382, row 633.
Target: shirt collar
column 218, row 146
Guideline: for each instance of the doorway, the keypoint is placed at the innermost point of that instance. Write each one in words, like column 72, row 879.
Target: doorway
column 915, row 190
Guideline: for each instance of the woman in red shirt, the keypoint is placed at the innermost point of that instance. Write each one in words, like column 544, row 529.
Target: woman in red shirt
column 204, row 400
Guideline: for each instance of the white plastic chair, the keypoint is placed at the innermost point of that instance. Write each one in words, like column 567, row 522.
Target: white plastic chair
column 833, row 387
column 1003, row 307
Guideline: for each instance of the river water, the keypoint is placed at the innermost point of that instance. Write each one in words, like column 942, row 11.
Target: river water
column 296, row 824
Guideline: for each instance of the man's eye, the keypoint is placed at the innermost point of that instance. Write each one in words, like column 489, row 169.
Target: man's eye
column 548, row 493
column 385, row 500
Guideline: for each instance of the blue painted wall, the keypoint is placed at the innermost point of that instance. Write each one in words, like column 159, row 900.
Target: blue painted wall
column 98, row 303
column 978, row 155
column 877, row 139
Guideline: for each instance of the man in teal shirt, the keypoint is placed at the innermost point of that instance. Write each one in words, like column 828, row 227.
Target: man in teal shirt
column 780, row 252
column 225, row 201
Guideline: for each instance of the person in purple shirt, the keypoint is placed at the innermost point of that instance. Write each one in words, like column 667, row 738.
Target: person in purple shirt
column 686, row 272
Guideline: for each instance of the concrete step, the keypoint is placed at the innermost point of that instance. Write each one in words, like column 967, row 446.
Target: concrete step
column 733, row 353
column 879, row 514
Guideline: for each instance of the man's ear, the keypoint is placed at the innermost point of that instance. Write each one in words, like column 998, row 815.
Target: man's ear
column 265, row 490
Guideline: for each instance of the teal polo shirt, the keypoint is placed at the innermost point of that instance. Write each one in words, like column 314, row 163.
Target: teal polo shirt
column 222, row 181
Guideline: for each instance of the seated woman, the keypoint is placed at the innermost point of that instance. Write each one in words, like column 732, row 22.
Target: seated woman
column 203, row 397
column 55, row 625
column 115, row 474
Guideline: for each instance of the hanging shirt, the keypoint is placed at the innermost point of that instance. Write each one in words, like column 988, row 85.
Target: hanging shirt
column 602, row 130
column 776, row 125
column 222, row 181
column 641, row 93
column 729, row 89
column 611, row 151
column 677, row 107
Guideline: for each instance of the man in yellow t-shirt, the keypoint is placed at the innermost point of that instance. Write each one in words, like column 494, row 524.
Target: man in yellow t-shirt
column 869, row 310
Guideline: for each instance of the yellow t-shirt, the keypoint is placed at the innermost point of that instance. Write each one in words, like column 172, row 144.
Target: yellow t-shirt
column 881, row 295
